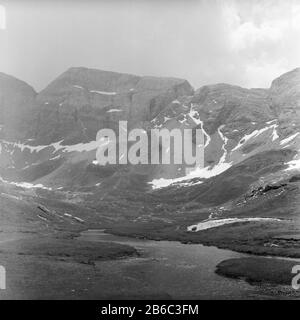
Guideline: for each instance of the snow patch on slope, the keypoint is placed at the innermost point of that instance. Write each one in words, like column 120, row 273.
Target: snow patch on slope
column 78, row 87
column 80, row 147
column 196, row 118
column 288, row 139
column 108, row 93
column 201, row 173
column 114, row 110
column 225, row 140
column 194, row 115
column 294, row 164
column 26, row 185
column 208, row 224
column 255, row 134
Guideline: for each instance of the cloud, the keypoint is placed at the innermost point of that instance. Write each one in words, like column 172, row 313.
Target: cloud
column 262, row 38
column 260, row 73
column 247, row 43
column 245, row 34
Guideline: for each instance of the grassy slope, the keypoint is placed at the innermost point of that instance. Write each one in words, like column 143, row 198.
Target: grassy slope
column 255, row 270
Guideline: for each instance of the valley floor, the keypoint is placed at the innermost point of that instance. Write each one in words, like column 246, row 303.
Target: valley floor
column 280, row 238
column 46, row 257
column 61, row 265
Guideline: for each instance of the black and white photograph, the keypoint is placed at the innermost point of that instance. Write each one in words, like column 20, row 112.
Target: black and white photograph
column 150, row 150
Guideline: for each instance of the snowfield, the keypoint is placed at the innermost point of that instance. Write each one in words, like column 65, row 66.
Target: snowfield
column 202, row 173
column 220, row 222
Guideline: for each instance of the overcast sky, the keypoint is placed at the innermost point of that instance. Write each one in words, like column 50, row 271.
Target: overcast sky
column 243, row 42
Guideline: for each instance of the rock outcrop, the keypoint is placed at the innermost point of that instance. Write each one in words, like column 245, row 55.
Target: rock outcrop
column 285, row 100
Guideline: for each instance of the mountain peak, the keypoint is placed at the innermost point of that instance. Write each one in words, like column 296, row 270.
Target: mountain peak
column 292, row 76
column 8, row 82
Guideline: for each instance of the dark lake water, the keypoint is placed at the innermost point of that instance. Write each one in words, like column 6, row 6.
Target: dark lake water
column 169, row 269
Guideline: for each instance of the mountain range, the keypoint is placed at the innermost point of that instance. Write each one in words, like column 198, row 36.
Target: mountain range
column 252, row 149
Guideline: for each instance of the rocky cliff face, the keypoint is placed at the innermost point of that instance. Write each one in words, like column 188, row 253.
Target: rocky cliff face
column 285, row 100
column 81, row 101
column 17, row 100
column 225, row 104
